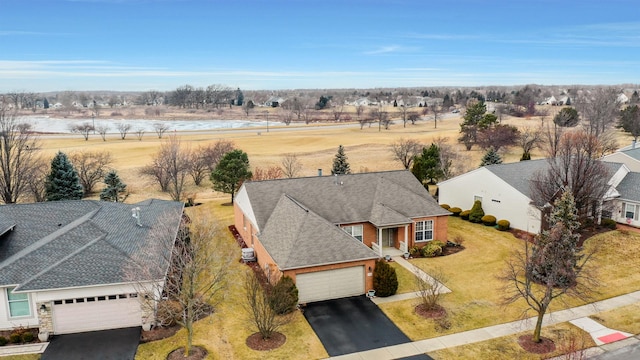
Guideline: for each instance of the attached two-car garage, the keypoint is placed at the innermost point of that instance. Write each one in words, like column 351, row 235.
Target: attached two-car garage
column 330, row 284
column 96, row 313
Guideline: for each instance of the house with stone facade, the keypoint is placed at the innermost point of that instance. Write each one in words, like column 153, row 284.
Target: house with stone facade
column 71, row 266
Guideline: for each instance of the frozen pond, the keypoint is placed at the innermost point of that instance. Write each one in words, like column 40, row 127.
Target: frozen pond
column 57, row 125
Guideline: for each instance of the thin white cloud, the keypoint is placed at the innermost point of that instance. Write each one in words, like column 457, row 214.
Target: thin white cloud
column 389, row 49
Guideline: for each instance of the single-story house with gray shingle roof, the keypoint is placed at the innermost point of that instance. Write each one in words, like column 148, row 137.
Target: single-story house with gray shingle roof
column 326, row 232
column 505, row 191
column 629, row 155
column 73, row 266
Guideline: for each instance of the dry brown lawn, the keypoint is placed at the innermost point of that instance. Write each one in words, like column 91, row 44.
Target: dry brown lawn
column 316, row 145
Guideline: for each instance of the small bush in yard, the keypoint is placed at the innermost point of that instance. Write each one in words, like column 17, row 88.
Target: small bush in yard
column 609, row 223
column 503, row 225
column 15, row 338
column 433, row 248
column 489, row 220
column 445, row 206
column 465, row 214
column 385, row 280
column 3, row 341
column 456, row 211
column 415, row 251
column 27, row 337
column 284, row 296
column 476, row 212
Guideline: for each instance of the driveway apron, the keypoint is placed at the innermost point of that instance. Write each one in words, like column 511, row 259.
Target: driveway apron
column 117, row 344
column 353, row 324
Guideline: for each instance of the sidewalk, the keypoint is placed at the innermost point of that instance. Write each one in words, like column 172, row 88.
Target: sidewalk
column 490, row 332
column 37, row 348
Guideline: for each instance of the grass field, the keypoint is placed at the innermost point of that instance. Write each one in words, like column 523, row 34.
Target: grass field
column 367, row 149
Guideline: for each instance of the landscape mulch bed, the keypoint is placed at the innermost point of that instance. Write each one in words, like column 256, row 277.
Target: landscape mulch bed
column 543, row 347
column 436, row 313
column 196, row 353
column 585, row 233
column 256, row 342
column 158, row 333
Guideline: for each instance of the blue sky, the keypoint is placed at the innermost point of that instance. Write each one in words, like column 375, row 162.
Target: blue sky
column 48, row 45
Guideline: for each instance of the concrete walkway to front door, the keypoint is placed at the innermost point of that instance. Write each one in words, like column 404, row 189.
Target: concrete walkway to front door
column 417, row 272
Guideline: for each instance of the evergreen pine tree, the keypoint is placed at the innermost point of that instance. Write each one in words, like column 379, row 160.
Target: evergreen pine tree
column 239, row 97
column 554, row 256
column 340, row 164
column 115, row 189
column 428, row 166
column 491, row 157
column 385, row 279
column 62, row 183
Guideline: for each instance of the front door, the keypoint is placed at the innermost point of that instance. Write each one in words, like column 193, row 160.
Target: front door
column 389, row 237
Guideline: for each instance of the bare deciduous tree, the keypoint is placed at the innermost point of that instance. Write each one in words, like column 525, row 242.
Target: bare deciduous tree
column 173, row 156
column 91, row 166
column 405, row 150
column 200, row 260
column 160, row 129
column 574, row 168
column 529, row 139
column 139, row 133
column 36, row 180
column 286, row 116
column 102, row 130
column 435, row 109
column 212, row 153
column 270, row 173
column 198, row 166
column 599, row 108
column 291, row 166
column 260, row 307
column 18, row 158
column 85, row 129
column 430, row 291
column 451, row 163
column 123, row 128
column 497, row 137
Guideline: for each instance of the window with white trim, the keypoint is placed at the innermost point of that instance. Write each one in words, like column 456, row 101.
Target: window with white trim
column 354, row 230
column 19, row 304
column 424, row 230
column 631, row 211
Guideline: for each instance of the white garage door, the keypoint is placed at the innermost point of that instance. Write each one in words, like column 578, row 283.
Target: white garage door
column 330, row 284
column 96, row 313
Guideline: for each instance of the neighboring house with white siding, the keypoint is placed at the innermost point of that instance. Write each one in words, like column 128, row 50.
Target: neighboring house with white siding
column 505, row 192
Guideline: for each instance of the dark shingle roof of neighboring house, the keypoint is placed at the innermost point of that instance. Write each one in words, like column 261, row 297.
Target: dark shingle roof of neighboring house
column 629, row 187
column 633, row 153
column 382, row 198
column 519, row 174
column 296, row 237
column 65, row 244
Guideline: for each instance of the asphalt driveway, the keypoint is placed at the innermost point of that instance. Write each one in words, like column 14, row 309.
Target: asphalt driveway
column 117, row 344
column 353, row 324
